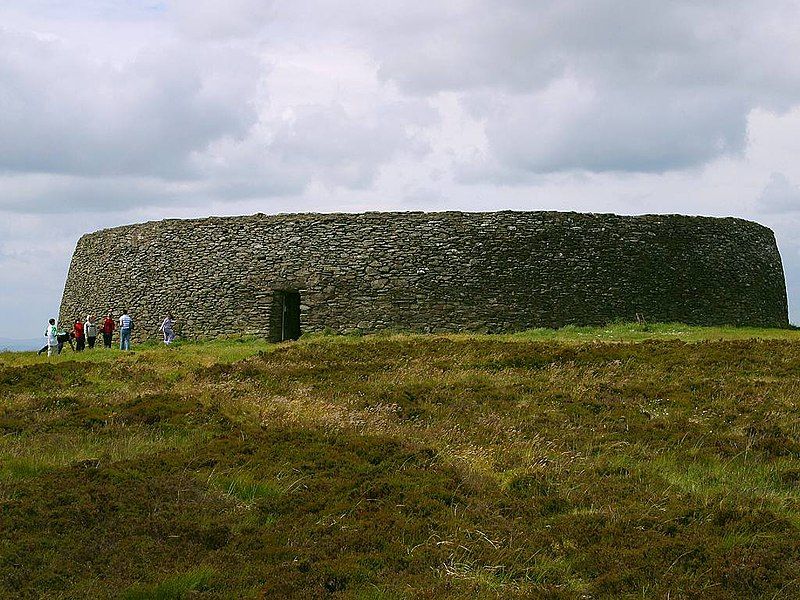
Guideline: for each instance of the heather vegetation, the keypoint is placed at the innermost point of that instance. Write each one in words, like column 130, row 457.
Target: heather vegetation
column 620, row 462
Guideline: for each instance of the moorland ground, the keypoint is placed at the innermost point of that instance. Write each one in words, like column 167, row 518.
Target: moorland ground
column 619, row 462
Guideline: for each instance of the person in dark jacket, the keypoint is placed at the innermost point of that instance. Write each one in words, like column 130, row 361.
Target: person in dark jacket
column 65, row 337
column 108, row 330
column 62, row 337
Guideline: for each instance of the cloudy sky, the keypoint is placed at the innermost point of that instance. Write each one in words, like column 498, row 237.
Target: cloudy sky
column 119, row 111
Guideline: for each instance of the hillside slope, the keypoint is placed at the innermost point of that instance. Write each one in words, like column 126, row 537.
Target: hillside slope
column 541, row 465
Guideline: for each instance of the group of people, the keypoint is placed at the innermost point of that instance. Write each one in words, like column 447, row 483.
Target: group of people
column 85, row 332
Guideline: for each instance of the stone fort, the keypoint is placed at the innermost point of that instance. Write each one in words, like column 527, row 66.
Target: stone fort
column 283, row 275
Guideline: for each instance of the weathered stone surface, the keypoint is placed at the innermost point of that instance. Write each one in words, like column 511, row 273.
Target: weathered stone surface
column 430, row 271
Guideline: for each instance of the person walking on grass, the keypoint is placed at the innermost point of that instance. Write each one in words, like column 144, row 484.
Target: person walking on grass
column 90, row 329
column 108, row 330
column 125, row 328
column 167, row 328
column 80, row 336
column 51, row 333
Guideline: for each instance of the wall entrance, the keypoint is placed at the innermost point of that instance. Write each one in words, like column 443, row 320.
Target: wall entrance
column 285, row 321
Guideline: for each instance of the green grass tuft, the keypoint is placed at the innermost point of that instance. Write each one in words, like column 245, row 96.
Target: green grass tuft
column 175, row 587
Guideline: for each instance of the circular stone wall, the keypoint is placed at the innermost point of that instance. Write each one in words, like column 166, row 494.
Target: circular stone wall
column 492, row 272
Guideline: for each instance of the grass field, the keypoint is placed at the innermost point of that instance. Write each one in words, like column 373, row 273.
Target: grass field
column 619, row 462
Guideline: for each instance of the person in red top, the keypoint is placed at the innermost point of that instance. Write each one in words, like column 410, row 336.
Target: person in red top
column 108, row 330
column 80, row 338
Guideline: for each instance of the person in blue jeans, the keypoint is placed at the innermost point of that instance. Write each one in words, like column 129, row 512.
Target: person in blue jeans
column 125, row 328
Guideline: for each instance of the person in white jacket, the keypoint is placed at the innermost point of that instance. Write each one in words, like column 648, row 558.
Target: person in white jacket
column 51, row 333
column 125, row 328
column 167, row 328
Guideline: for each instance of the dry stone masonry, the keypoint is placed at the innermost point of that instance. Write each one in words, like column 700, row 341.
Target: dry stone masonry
column 278, row 276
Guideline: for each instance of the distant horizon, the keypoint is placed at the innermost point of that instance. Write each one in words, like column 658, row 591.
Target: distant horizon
column 26, row 345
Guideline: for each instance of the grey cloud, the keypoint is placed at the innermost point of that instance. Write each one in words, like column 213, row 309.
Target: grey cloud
column 517, row 45
column 421, row 198
column 780, row 195
column 671, row 83
column 183, row 123
column 215, row 20
column 634, row 130
column 283, row 156
column 63, row 112
column 62, row 194
column 33, row 264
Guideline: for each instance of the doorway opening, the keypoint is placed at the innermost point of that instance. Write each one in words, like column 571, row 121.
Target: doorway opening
column 285, row 321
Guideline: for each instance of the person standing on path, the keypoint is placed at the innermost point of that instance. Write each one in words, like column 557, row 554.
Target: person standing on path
column 167, row 328
column 51, row 333
column 108, row 330
column 80, row 337
column 125, row 328
column 90, row 329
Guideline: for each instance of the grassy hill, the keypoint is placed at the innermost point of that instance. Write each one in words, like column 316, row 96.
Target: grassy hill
column 623, row 462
